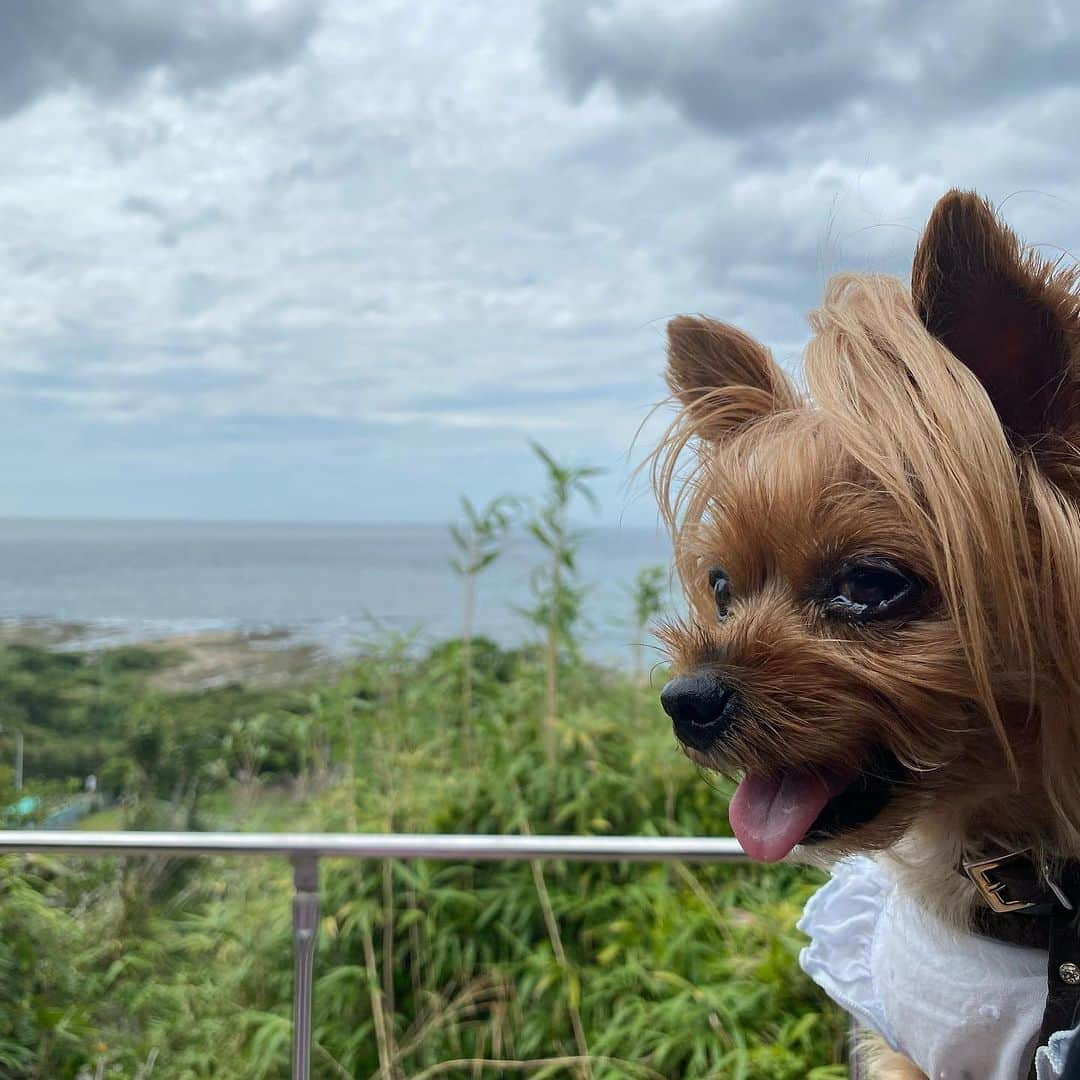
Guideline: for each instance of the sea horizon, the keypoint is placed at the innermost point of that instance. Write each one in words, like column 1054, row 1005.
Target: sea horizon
column 334, row 585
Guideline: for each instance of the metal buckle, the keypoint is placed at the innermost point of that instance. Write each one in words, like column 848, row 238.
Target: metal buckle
column 994, row 891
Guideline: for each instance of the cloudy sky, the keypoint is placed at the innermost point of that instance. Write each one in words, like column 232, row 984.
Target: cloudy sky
column 326, row 260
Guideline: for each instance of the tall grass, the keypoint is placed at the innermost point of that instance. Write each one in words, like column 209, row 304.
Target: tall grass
column 424, row 969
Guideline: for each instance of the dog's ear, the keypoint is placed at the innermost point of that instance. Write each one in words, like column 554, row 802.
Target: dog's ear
column 722, row 377
column 1006, row 314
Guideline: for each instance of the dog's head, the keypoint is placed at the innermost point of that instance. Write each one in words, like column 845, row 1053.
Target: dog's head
column 883, row 574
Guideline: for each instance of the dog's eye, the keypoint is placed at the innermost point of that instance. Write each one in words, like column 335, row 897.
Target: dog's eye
column 721, row 590
column 874, row 589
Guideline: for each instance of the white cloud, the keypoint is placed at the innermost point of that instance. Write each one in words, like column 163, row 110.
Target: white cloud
column 388, row 244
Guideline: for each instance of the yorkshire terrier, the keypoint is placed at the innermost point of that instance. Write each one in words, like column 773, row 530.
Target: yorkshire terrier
column 883, row 640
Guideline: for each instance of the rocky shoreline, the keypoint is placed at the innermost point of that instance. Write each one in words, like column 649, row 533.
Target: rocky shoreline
column 196, row 661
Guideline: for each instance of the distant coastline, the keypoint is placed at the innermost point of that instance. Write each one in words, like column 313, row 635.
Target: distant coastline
column 197, row 661
column 322, row 589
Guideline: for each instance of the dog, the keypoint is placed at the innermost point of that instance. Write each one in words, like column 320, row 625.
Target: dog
column 882, row 574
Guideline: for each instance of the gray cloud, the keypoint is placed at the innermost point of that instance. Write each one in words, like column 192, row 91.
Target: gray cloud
column 745, row 67
column 108, row 47
column 356, row 285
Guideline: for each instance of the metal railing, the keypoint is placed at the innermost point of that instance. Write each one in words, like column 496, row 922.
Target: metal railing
column 305, row 850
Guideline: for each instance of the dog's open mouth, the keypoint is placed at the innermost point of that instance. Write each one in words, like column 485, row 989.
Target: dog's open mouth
column 771, row 814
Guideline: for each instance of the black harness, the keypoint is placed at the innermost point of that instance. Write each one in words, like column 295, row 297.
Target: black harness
column 1027, row 905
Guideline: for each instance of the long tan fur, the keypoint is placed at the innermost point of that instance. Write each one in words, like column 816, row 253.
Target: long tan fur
column 939, row 428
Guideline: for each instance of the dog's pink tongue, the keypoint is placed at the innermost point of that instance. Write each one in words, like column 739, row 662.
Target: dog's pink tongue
column 770, row 816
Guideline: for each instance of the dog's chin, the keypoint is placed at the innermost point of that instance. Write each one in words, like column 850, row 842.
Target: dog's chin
column 862, row 813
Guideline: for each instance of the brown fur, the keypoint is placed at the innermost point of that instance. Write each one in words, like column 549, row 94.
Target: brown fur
column 885, row 1064
column 940, row 430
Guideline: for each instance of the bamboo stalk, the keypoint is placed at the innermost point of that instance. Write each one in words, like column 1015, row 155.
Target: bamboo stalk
column 350, row 768
column 388, row 941
column 552, row 660
column 385, row 1055
column 555, row 937
column 467, row 672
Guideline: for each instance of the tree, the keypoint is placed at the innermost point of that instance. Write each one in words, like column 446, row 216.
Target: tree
column 558, row 596
column 478, row 541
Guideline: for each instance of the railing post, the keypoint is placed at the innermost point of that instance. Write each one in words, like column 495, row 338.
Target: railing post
column 305, row 927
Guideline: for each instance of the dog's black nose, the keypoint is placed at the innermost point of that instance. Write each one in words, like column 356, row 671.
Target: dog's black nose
column 701, row 706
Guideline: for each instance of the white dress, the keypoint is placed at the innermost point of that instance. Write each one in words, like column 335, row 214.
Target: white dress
column 960, row 1006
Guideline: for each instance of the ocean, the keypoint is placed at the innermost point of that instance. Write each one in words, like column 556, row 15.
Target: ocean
column 332, row 585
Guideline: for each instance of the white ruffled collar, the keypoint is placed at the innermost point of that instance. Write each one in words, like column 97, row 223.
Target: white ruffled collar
column 956, row 1004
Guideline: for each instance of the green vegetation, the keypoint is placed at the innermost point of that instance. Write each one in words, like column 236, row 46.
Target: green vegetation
column 478, row 541
column 181, row 969
column 670, row 971
column 557, row 596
